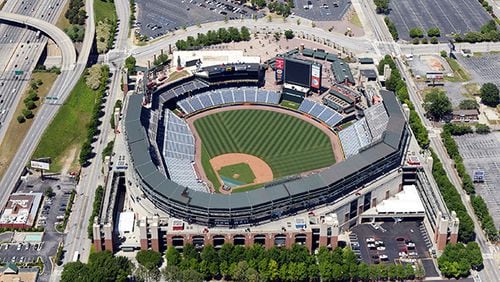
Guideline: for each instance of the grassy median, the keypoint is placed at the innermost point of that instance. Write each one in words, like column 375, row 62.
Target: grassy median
column 17, row 131
column 68, row 130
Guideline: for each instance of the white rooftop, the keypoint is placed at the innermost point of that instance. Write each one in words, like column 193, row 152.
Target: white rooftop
column 126, row 222
column 406, row 201
column 211, row 58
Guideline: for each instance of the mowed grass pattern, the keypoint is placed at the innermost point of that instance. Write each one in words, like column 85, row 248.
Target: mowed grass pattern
column 287, row 144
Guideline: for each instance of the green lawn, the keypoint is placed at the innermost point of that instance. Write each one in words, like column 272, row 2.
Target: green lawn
column 240, row 172
column 209, row 171
column 290, row 104
column 103, row 10
column 460, row 74
column 287, row 144
column 68, row 130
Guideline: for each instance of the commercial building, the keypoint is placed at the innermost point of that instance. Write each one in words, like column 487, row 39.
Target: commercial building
column 20, row 210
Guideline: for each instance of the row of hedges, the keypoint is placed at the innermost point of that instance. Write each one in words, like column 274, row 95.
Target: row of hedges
column 392, row 28
column 92, row 128
column 67, row 213
column 96, row 207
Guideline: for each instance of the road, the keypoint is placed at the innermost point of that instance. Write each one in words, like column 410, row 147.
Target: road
column 91, row 176
column 57, row 35
column 490, row 267
column 61, row 89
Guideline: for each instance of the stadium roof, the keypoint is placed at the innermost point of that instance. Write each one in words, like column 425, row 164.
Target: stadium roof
column 157, row 183
column 307, row 52
column 342, row 71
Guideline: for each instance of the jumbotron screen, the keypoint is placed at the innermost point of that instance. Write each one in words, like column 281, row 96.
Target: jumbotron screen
column 297, row 72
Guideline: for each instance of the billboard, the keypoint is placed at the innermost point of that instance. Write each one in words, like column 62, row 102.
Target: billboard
column 40, row 165
column 434, row 75
column 316, row 76
column 298, row 72
column 280, row 65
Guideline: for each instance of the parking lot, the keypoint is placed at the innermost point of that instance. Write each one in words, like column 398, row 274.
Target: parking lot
column 390, row 242
column 482, row 152
column 20, row 253
column 483, row 68
column 157, row 17
column 450, row 16
column 321, row 10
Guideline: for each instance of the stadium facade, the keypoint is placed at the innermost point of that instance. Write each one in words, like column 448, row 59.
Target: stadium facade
column 350, row 187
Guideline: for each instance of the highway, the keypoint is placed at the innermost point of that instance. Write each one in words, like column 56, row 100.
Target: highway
column 61, row 89
column 21, row 48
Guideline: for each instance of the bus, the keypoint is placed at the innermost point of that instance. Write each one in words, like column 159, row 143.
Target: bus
column 76, row 256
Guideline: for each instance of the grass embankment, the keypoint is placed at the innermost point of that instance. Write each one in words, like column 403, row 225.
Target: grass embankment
column 104, row 10
column 67, row 132
column 287, row 144
column 63, row 22
column 176, row 75
column 17, row 131
column 459, row 74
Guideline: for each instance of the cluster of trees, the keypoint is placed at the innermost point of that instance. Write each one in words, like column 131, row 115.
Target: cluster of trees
column 437, row 104
column 76, row 16
column 457, row 259
column 258, row 3
column 149, row 264
column 416, row 32
column 118, row 105
column 96, row 207
column 161, row 60
column 214, row 37
column 43, row 68
column 382, row 6
column 396, row 83
column 280, row 8
column 418, row 35
column 487, row 7
column 29, row 101
column 130, row 63
column 86, row 150
column 468, row 104
column 106, row 27
column 132, row 18
column 102, row 266
column 484, row 216
column 488, row 32
column 453, row 200
column 255, row 263
column 75, row 13
column 489, row 94
column 392, row 28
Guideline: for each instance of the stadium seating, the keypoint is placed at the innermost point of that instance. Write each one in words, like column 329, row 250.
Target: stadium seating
column 364, row 131
column 228, row 96
column 178, row 150
column 321, row 112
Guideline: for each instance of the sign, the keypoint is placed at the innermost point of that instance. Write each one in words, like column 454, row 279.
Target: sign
column 316, row 76
column 40, row 165
column 280, row 65
column 434, row 75
column 18, row 72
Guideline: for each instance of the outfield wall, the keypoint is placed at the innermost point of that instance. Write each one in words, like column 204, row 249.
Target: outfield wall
column 271, row 202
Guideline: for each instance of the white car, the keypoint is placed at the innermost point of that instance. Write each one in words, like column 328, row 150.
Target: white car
column 370, row 240
column 384, row 257
column 371, row 246
column 380, row 248
column 413, row 254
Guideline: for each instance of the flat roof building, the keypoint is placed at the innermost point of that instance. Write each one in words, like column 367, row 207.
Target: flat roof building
column 20, row 210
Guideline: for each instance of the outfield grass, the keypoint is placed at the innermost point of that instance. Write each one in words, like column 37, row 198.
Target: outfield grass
column 243, row 170
column 209, row 171
column 287, row 144
column 68, row 129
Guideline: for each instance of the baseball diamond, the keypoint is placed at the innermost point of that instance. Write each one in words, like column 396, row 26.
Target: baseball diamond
column 287, row 144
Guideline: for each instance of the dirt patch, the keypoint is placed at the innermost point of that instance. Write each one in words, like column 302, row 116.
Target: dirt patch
column 68, row 160
column 262, row 171
column 236, row 176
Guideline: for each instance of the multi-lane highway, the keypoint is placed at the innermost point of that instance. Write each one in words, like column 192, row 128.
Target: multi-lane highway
column 20, row 49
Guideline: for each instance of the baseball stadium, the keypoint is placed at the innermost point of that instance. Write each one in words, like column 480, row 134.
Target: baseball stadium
column 217, row 149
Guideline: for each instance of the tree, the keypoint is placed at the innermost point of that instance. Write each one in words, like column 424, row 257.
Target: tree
column 130, row 63
column 28, row 114
column 75, row 271
column 434, row 40
column 149, row 259
column 382, row 6
column 245, row 33
column 433, row 32
column 468, row 104
column 85, row 153
column 171, row 273
column 289, row 34
column 416, row 32
column 102, row 266
column 93, row 78
column 173, row 256
column 30, row 105
column 21, row 119
column 482, row 129
column 142, row 274
column 489, row 94
column 437, row 104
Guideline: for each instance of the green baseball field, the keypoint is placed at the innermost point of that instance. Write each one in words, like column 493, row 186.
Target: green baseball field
column 287, row 144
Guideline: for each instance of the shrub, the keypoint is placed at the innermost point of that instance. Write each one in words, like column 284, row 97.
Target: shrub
column 21, row 119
